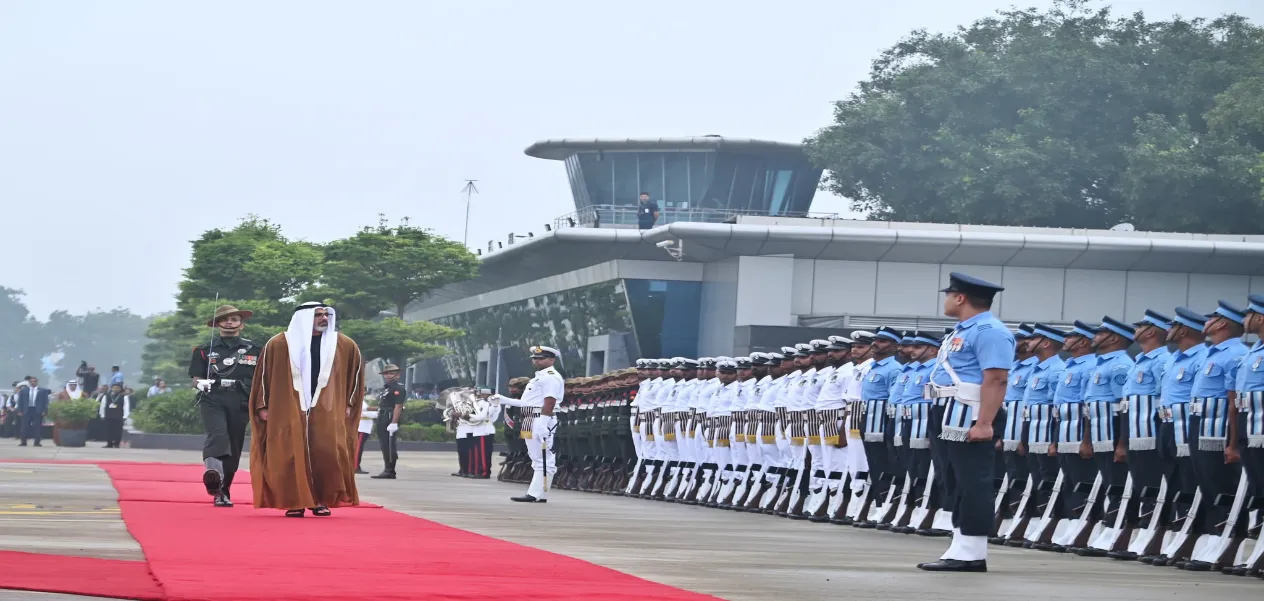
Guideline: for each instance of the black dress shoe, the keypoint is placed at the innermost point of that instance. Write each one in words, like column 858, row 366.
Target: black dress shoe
column 954, row 565
column 384, row 476
column 865, row 525
column 933, row 532
column 1122, row 555
column 843, row 521
column 222, row 500
column 1196, row 566
column 527, row 499
column 884, row 526
column 213, row 481
column 38, row 444
column 360, row 471
column 1233, row 570
column 996, row 540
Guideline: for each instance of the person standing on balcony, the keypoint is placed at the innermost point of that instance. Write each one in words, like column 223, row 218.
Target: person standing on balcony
column 646, row 212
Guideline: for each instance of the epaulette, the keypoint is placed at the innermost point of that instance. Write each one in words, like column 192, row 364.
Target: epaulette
column 986, row 326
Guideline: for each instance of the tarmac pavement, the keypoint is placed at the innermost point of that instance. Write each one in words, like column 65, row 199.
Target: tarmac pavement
column 71, row 510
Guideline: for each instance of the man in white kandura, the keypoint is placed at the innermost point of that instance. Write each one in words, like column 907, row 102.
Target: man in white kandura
column 543, row 393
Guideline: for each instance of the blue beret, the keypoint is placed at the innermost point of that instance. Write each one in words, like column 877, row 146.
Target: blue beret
column 889, row 334
column 1082, row 329
column 1045, row 331
column 971, row 286
column 1189, row 318
column 1153, row 318
column 1255, row 303
column 1229, row 312
column 1118, row 327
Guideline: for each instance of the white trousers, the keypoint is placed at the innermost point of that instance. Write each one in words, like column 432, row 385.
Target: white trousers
column 543, row 461
column 770, row 453
column 637, row 440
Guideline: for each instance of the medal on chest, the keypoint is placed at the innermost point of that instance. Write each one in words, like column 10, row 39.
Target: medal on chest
column 1180, row 374
column 1140, row 377
column 1256, row 365
column 1036, row 382
column 1097, row 378
column 956, row 345
column 1070, row 376
column 1210, row 365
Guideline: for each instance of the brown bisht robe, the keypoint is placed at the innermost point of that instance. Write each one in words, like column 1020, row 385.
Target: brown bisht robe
column 284, row 473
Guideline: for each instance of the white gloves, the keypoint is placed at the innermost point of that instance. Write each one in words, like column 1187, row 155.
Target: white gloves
column 392, row 428
column 205, row 385
column 495, row 398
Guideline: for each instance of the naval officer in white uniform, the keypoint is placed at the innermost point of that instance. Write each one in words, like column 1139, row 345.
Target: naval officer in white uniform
column 543, row 393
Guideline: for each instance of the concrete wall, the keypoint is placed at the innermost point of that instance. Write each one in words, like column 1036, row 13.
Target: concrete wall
column 719, row 307
column 822, row 287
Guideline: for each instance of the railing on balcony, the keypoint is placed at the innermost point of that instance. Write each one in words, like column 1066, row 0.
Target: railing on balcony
column 626, row 216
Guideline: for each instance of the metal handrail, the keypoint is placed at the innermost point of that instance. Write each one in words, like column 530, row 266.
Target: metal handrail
column 599, row 215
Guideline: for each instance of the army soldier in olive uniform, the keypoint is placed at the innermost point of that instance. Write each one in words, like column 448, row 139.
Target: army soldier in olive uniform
column 222, row 371
column 390, row 409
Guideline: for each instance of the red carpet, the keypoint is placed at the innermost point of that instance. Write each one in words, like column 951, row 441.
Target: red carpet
column 196, row 551
column 78, row 576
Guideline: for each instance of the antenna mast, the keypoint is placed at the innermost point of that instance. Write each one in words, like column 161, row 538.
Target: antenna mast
column 469, row 190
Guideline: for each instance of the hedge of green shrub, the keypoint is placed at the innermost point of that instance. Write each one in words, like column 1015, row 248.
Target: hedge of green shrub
column 171, row 413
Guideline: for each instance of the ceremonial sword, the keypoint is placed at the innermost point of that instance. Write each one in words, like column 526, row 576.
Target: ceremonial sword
column 211, row 343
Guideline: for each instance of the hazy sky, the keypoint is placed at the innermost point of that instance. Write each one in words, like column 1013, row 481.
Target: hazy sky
column 129, row 127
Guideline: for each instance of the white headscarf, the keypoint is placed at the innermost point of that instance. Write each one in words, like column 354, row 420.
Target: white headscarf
column 77, row 393
column 299, row 338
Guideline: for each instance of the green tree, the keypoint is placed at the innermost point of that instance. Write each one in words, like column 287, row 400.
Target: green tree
column 25, row 341
column 1069, row 117
column 396, row 339
column 102, row 338
column 252, row 266
column 389, row 268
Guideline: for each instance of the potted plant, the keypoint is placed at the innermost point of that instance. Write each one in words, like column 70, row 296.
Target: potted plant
column 70, row 420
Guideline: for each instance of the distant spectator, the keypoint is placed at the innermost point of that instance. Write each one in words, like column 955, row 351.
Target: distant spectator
column 159, row 387
column 116, row 376
column 646, row 211
column 89, row 379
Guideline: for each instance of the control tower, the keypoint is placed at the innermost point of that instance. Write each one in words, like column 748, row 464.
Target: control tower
column 705, row 178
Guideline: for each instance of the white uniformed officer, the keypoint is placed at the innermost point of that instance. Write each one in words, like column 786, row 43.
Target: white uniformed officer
column 970, row 380
column 543, row 393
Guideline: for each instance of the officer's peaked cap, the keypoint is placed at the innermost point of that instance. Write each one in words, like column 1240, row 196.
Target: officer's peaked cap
column 1255, row 303
column 862, row 337
column 1189, row 318
column 544, row 352
column 819, row 346
column 920, row 337
column 759, row 358
column 971, row 286
column 743, row 362
column 1156, row 319
column 1118, row 327
column 839, row 343
column 802, row 349
column 1080, row 328
column 1230, row 312
column 889, row 333
column 727, row 366
column 1049, row 332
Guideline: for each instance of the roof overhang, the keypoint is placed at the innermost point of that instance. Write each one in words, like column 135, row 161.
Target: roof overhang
column 560, row 149
column 568, row 249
